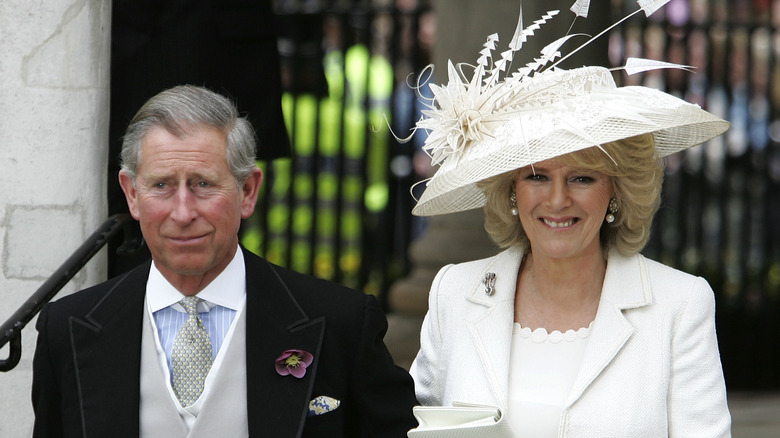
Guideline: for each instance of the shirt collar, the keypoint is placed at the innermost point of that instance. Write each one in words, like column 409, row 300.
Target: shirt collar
column 227, row 290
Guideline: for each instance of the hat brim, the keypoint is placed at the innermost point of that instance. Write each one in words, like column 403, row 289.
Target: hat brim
column 554, row 129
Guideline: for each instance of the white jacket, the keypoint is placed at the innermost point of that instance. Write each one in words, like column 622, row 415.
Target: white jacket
column 651, row 367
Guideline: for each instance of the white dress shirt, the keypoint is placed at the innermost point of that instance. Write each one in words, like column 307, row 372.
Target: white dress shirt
column 223, row 299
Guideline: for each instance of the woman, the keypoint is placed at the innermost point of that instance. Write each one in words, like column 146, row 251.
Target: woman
column 569, row 331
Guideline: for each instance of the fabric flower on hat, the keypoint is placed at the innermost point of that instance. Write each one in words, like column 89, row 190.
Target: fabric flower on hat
column 467, row 110
column 293, row 362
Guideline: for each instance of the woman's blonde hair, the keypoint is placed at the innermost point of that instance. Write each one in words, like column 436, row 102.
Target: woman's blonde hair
column 636, row 173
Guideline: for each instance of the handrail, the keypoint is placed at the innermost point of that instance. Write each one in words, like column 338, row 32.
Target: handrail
column 11, row 330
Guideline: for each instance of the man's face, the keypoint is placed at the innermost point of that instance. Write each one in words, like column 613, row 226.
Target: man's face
column 189, row 204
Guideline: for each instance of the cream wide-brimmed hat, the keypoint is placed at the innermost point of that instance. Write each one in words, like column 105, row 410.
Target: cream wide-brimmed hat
column 487, row 126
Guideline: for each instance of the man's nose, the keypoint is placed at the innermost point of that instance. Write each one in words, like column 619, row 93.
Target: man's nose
column 183, row 211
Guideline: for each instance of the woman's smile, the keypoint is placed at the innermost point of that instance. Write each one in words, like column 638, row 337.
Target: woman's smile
column 557, row 223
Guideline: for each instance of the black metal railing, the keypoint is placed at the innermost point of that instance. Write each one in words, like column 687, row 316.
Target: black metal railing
column 720, row 205
column 11, row 330
column 338, row 208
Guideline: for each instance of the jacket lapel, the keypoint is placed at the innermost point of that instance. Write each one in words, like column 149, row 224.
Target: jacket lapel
column 276, row 405
column 107, row 355
column 625, row 287
column 491, row 319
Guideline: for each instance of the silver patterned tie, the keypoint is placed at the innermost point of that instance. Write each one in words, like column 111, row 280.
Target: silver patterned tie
column 191, row 355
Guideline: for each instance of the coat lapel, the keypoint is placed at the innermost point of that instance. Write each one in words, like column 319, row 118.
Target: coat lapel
column 276, row 405
column 625, row 287
column 107, row 354
column 491, row 320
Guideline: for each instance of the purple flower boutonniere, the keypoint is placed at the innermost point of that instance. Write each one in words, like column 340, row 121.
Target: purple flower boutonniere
column 293, row 362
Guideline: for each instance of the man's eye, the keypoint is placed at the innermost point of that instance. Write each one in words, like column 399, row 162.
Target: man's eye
column 160, row 185
column 203, row 185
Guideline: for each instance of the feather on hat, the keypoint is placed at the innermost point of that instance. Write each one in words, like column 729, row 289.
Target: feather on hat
column 487, row 125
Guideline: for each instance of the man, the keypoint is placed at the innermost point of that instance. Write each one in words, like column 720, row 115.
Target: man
column 207, row 339
column 229, row 46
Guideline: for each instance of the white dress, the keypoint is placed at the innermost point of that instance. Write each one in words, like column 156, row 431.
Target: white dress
column 543, row 368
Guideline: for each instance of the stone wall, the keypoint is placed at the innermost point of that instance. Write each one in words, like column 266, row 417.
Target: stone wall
column 53, row 136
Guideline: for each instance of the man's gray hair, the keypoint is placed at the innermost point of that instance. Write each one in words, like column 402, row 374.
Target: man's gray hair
column 182, row 110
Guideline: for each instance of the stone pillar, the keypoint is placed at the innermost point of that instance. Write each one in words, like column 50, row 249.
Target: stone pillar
column 451, row 238
column 462, row 28
column 54, row 75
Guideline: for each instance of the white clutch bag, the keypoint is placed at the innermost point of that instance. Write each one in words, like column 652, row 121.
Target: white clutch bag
column 459, row 421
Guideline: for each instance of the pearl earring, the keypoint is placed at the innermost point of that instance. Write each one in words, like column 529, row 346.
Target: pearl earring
column 513, row 202
column 612, row 209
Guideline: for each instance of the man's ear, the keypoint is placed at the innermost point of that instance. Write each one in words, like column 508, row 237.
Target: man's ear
column 130, row 193
column 250, row 190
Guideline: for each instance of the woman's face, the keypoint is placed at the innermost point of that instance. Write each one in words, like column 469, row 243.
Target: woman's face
column 562, row 208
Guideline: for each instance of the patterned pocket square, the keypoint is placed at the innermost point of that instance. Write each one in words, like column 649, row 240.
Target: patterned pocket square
column 322, row 405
